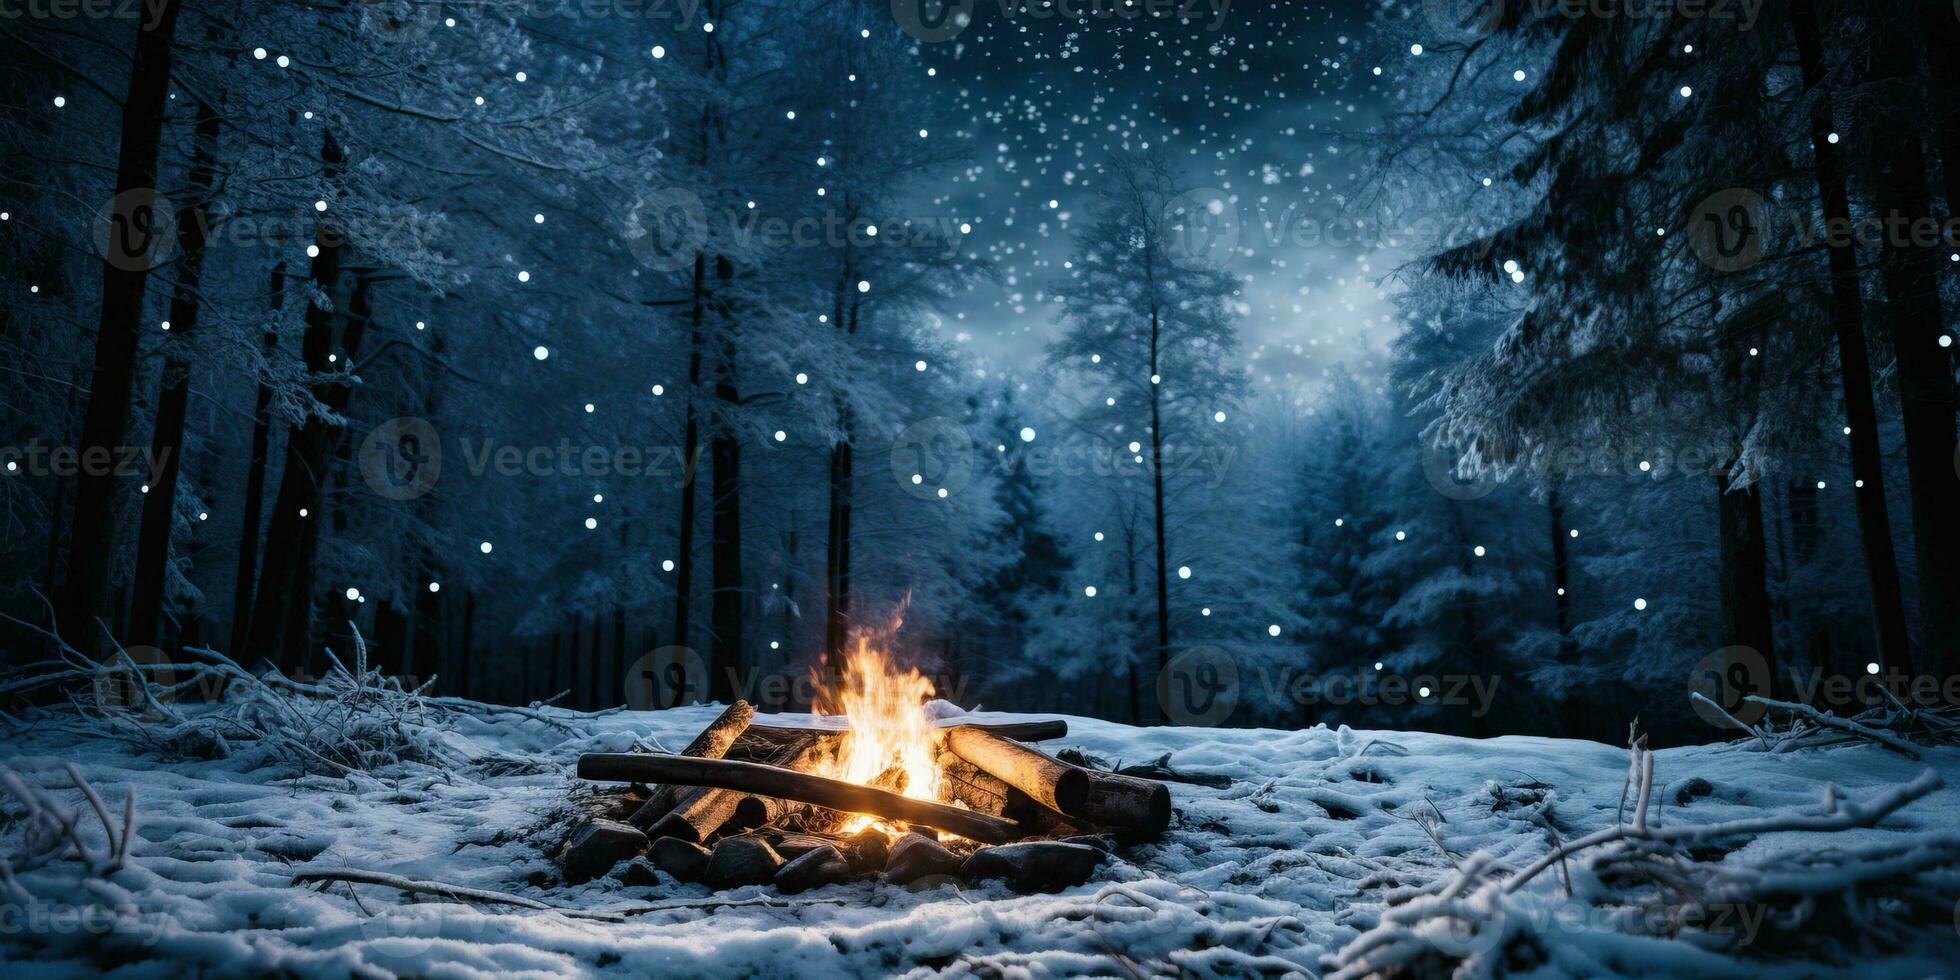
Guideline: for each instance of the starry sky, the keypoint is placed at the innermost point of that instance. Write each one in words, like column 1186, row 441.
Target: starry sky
column 1258, row 102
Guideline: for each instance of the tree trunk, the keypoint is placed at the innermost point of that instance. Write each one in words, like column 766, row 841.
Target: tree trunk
column 125, row 278
column 1942, row 624
column 725, row 611
column 304, row 472
column 254, row 506
column 360, row 314
column 1745, row 560
column 691, row 451
column 1561, row 572
column 616, row 686
column 425, row 661
column 837, row 549
column 1157, row 499
column 1854, row 364
column 466, row 666
column 167, row 440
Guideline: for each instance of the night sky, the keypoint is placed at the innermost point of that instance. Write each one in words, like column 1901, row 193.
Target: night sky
column 1257, row 103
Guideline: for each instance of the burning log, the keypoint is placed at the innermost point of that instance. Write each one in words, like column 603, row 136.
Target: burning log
column 1081, row 796
column 1048, row 781
column 713, row 743
column 766, row 780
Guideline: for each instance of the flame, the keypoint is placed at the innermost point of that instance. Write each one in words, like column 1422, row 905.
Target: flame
column 890, row 735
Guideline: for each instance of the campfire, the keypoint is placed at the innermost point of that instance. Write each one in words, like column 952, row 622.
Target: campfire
column 880, row 787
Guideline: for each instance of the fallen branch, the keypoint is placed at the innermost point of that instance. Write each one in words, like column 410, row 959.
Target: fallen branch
column 764, row 780
column 1810, row 714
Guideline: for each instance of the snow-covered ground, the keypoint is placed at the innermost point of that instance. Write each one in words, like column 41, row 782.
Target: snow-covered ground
column 1272, row 875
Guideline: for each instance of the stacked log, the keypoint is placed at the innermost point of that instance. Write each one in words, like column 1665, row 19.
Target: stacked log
column 739, row 777
column 713, row 743
column 1127, row 804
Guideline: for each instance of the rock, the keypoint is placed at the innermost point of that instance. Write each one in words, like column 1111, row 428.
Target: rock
column 793, row 846
column 1034, row 866
column 638, row 873
column 739, row 861
column 868, row 849
column 823, row 866
column 685, row 860
column 598, row 845
column 915, row 856
column 1100, row 842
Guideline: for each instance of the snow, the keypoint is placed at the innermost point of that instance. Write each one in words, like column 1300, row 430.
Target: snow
column 1270, row 875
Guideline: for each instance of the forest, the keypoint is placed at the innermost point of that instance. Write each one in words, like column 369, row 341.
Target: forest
column 1405, row 488
column 627, row 358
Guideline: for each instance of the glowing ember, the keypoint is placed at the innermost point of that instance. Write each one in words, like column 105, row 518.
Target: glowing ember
column 890, row 743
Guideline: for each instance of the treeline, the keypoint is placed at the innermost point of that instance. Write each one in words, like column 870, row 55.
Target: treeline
column 322, row 283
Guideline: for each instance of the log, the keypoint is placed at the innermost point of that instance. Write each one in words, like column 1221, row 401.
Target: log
column 1020, row 731
column 1127, row 803
column 963, row 782
column 765, row 780
column 713, row 743
column 1048, row 781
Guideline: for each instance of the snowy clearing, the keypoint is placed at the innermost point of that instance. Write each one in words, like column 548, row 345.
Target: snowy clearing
column 1271, row 875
